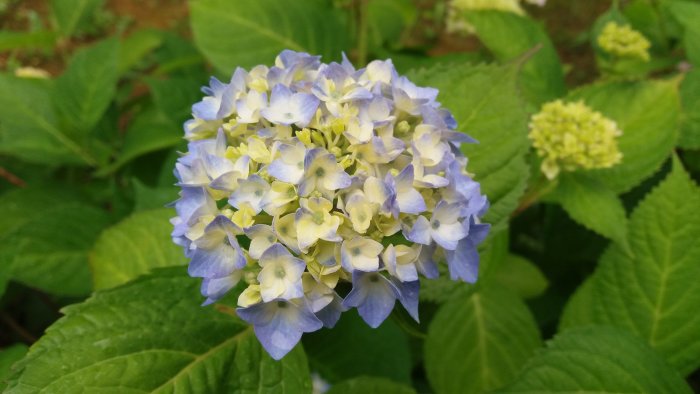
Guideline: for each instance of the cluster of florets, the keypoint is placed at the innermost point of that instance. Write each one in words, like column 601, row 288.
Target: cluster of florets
column 457, row 23
column 303, row 176
column 624, row 42
column 572, row 136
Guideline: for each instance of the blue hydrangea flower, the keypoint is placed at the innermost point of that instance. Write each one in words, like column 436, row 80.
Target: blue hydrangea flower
column 302, row 176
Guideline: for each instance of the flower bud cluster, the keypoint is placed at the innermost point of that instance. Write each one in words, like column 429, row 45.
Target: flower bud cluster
column 303, row 176
column 572, row 136
column 624, row 42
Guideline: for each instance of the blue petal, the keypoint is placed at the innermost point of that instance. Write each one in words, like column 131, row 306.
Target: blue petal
column 463, row 262
column 279, row 325
column 373, row 295
column 408, row 296
column 215, row 288
column 330, row 314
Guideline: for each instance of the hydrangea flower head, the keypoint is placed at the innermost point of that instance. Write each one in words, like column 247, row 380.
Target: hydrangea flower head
column 320, row 187
column 624, row 42
column 572, row 136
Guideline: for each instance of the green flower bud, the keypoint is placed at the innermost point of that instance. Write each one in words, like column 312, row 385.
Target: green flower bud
column 624, row 42
column 572, row 136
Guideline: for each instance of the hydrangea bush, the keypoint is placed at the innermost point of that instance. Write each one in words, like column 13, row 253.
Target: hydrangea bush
column 304, row 175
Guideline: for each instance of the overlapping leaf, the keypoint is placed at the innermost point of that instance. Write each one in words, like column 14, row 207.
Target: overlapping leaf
column 251, row 32
column 153, row 336
column 133, row 247
column 597, row 360
column 654, row 293
column 479, row 343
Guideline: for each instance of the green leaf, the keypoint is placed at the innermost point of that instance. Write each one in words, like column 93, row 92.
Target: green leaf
column 5, row 275
column 50, row 251
column 71, row 15
column 153, row 336
column 479, row 343
column 509, row 36
column 255, row 31
column 593, row 205
column 150, row 131
column 352, row 349
column 366, row 384
column 152, row 197
column 688, row 13
column 477, row 95
column 12, row 40
column 522, row 276
column 387, row 20
column 647, row 113
column 174, row 96
column 133, row 247
column 28, row 125
column 580, row 309
column 690, row 102
column 654, row 293
column 597, row 360
column 83, row 92
column 8, row 356
column 136, row 47
column 19, row 206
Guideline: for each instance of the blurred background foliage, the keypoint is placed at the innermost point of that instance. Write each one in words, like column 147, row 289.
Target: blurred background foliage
column 93, row 94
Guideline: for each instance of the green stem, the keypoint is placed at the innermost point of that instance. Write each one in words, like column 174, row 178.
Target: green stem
column 537, row 189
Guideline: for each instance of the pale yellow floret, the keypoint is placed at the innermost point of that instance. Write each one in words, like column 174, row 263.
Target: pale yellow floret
column 250, row 296
column 243, row 217
column 624, row 42
column 572, row 136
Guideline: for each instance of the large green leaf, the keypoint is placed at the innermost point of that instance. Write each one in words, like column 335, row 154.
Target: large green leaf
column 353, row 349
column 71, row 15
column 153, row 336
column 647, row 112
column 690, row 120
column 654, row 293
column 479, row 343
column 133, row 247
column 593, row 205
column 597, row 360
column 251, row 32
column 368, row 384
column 50, row 251
column 477, row 96
column 508, row 36
column 86, row 88
column 8, row 357
column 150, row 131
column 28, row 125
column 522, row 276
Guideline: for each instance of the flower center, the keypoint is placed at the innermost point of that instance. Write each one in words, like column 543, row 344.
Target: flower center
column 436, row 224
column 320, row 172
column 280, row 273
column 356, row 251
